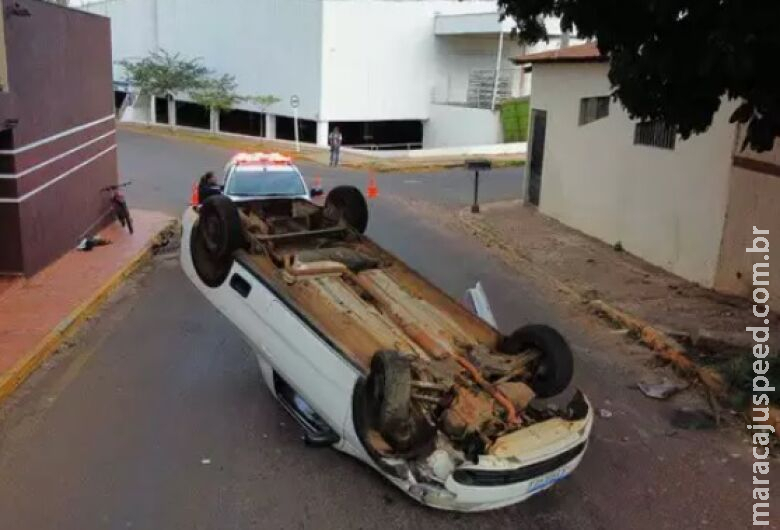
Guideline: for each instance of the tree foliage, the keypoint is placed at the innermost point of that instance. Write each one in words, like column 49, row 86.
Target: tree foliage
column 161, row 73
column 218, row 93
column 675, row 60
column 263, row 101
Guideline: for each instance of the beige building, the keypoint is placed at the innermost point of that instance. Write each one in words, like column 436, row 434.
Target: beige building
column 688, row 206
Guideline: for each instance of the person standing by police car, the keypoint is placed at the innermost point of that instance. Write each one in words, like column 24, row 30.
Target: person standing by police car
column 207, row 186
column 334, row 141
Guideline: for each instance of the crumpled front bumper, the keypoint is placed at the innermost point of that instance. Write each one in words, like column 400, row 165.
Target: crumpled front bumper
column 519, row 467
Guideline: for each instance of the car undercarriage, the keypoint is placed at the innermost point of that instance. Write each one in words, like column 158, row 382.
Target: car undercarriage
column 439, row 388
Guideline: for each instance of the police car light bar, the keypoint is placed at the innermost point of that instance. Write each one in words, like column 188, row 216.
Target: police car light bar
column 261, row 158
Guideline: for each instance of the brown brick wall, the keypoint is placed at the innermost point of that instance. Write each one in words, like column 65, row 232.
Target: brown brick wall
column 60, row 78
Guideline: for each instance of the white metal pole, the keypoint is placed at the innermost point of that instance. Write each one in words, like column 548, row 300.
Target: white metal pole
column 498, row 66
column 297, row 135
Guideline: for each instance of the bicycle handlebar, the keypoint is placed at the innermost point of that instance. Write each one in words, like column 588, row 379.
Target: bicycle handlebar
column 113, row 187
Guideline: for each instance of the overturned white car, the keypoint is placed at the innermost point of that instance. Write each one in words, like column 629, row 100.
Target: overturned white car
column 377, row 362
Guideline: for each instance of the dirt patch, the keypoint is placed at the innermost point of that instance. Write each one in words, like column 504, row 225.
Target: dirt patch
column 598, row 271
column 699, row 326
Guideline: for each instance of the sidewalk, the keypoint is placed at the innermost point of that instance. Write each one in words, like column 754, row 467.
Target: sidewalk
column 37, row 313
column 417, row 164
column 658, row 307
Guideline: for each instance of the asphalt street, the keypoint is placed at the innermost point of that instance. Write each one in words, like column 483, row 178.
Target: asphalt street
column 156, row 417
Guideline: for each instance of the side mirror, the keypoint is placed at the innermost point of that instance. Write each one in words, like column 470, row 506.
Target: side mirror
column 316, row 192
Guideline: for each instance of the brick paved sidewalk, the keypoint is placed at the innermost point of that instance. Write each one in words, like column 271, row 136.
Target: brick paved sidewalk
column 36, row 312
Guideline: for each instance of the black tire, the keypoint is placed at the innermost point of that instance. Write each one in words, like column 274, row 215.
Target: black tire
column 555, row 367
column 220, row 226
column 351, row 206
column 390, row 396
column 212, row 271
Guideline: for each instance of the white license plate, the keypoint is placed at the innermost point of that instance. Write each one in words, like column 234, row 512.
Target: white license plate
column 545, row 481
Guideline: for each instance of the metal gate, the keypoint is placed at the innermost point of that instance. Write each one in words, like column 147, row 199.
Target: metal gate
column 538, row 129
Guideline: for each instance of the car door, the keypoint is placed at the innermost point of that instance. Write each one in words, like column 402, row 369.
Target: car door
column 303, row 358
column 310, row 364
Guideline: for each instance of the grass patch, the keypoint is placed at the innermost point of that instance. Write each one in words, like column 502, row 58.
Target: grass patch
column 738, row 375
column 514, row 119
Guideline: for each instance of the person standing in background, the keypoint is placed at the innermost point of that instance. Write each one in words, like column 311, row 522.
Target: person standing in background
column 334, row 141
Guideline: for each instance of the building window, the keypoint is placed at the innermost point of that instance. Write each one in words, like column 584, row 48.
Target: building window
column 193, row 115
column 242, row 122
column 379, row 135
column 160, row 110
column 285, row 129
column 592, row 109
column 655, row 134
column 482, row 84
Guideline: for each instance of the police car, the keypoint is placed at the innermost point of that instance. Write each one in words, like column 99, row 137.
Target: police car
column 265, row 175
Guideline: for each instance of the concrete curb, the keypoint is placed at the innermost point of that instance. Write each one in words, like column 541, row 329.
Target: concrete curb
column 664, row 346
column 36, row 356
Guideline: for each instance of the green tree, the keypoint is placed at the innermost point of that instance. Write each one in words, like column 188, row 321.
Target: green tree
column 675, row 60
column 263, row 101
column 164, row 74
column 217, row 94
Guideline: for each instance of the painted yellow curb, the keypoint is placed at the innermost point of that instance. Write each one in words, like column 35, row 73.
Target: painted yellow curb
column 664, row 346
column 34, row 358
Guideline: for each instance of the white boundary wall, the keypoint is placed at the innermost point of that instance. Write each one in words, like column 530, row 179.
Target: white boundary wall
column 454, row 126
column 665, row 206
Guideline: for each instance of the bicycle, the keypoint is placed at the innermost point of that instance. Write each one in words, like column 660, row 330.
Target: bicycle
column 119, row 205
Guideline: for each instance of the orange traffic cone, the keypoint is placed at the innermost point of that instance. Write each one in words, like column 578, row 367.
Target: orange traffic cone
column 372, row 191
column 317, row 181
column 195, row 197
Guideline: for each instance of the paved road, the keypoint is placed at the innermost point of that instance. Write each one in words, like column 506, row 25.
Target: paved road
column 163, row 171
column 156, row 418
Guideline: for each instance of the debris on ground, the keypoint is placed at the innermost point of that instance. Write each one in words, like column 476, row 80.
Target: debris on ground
column 693, row 419
column 698, row 331
column 662, row 389
column 604, row 413
column 88, row 243
column 167, row 240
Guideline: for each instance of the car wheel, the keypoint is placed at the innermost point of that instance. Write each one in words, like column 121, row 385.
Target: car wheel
column 220, row 226
column 348, row 203
column 390, row 397
column 555, row 364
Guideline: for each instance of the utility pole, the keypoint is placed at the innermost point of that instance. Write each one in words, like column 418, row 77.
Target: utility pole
column 498, row 65
column 295, row 102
